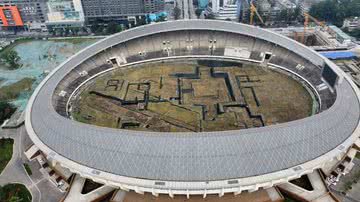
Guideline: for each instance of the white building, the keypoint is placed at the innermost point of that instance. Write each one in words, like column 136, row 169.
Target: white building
column 68, row 13
column 352, row 23
column 226, row 9
column 339, row 35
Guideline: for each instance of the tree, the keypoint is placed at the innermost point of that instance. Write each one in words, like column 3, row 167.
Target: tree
column 97, row 27
column 297, row 13
column 6, row 110
column 113, row 28
column 283, row 15
column 141, row 21
column 198, row 12
column 210, row 16
column 161, row 18
column 335, row 11
column 177, row 12
column 75, row 30
column 354, row 33
column 61, row 32
column 51, row 31
column 67, row 31
column 12, row 59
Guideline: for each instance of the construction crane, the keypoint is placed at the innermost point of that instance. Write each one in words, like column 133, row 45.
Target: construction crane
column 254, row 11
column 308, row 17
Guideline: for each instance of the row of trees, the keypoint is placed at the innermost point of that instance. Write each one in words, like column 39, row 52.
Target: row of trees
column 67, row 31
column 335, row 11
column 289, row 15
column 110, row 28
column 105, row 28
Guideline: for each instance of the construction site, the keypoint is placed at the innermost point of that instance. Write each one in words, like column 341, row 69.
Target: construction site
column 192, row 96
column 314, row 33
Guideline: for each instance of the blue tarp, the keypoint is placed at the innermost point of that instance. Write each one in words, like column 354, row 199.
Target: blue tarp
column 339, row 55
column 155, row 16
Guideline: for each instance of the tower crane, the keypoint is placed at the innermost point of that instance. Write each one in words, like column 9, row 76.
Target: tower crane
column 308, row 17
column 254, row 11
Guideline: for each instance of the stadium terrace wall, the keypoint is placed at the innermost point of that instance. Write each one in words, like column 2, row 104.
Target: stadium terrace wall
column 205, row 163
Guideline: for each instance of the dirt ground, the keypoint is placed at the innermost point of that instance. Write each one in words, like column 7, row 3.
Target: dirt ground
column 179, row 97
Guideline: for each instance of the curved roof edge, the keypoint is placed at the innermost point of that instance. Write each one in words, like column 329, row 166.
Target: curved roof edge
column 186, row 187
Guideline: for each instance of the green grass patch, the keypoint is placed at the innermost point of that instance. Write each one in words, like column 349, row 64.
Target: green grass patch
column 28, row 169
column 348, row 184
column 6, row 151
column 287, row 199
column 11, row 92
column 357, row 155
column 14, row 192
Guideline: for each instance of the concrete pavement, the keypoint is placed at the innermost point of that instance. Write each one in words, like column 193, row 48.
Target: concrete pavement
column 15, row 172
column 41, row 189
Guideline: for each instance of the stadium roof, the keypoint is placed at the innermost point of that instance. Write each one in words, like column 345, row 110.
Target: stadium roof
column 188, row 157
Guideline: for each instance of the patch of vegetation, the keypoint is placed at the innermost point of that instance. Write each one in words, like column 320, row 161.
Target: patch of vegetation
column 354, row 33
column 72, row 40
column 210, row 16
column 6, row 151
column 348, row 185
column 287, row 199
column 15, row 43
column 335, row 11
column 198, row 12
column 357, row 155
column 113, row 28
column 12, row 91
column 126, row 99
column 28, row 169
column 15, row 193
column 288, row 15
column 6, row 110
column 103, row 28
column 177, row 12
column 11, row 59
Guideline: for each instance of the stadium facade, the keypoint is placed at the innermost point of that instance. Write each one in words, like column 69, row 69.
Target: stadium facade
column 201, row 163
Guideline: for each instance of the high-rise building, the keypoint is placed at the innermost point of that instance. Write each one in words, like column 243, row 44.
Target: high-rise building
column 119, row 10
column 32, row 13
column 10, row 16
column 153, row 6
column 65, row 13
column 224, row 9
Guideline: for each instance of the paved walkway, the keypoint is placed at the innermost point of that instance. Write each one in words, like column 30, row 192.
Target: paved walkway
column 15, row 172
column 352, row 195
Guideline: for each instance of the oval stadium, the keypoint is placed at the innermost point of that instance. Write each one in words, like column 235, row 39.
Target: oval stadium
column 196, row 107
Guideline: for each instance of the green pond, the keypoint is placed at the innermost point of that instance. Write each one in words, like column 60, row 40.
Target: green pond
column 39, row 57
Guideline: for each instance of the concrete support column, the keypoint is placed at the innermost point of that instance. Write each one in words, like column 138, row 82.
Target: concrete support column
column 205, row 193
